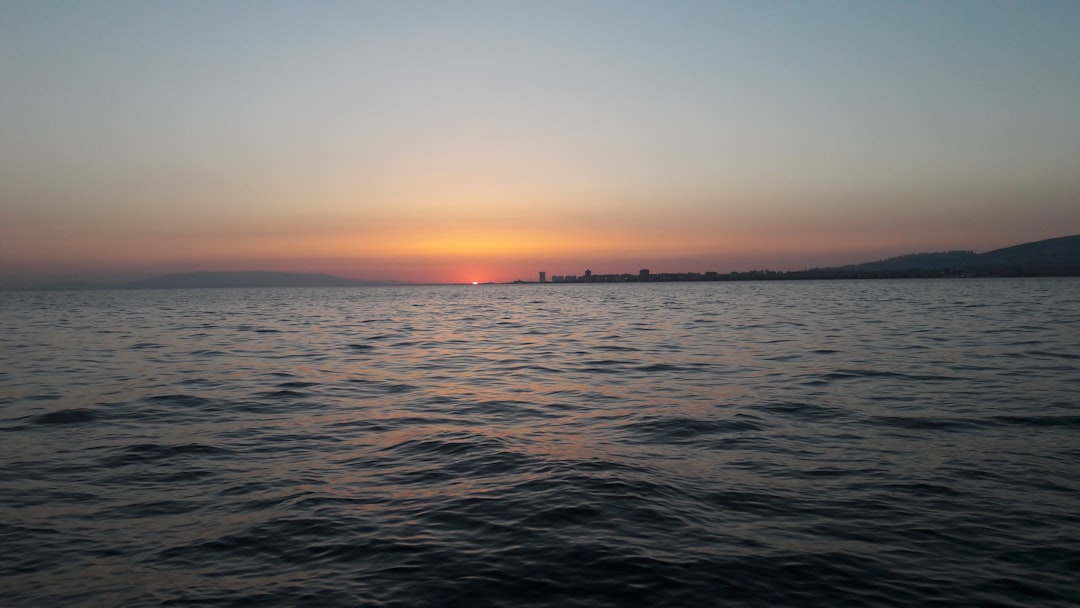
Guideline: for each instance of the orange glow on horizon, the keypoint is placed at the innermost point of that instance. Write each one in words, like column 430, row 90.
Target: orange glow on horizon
column 467, row 248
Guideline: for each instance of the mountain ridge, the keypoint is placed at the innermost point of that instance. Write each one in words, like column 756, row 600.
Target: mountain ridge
column 1058, row 256
column 205, row 279
column 247, row 278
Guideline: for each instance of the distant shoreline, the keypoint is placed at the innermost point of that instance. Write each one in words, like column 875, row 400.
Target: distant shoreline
column 772, row 277
column 1057, row 257
column 727, row 279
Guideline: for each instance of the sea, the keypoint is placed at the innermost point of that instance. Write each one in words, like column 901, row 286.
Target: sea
column 788, row 443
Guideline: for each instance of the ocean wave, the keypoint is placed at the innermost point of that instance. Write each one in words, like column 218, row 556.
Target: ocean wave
column 804, row 444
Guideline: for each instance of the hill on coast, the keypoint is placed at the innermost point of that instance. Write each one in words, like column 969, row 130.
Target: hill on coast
column 211, row 280
column 250, row 278
column 1050, row 257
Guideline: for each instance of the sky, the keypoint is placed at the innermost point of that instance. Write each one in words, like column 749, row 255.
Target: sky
column 453, row 141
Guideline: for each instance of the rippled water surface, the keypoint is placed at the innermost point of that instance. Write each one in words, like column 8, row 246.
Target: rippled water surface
column 870, row 443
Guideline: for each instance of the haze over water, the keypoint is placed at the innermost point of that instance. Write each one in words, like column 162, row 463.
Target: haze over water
column 875, row 443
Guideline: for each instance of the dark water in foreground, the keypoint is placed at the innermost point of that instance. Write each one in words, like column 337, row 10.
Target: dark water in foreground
column 752, row 444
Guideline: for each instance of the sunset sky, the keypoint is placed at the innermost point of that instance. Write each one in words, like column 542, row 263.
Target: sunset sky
column 457, row 141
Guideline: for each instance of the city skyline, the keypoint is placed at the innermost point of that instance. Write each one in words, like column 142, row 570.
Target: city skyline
column 479, row 141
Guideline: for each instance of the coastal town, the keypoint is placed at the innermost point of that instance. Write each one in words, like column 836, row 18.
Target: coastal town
column 1050, row 257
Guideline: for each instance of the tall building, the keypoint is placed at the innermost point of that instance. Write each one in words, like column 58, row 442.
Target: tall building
column 543, row 277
